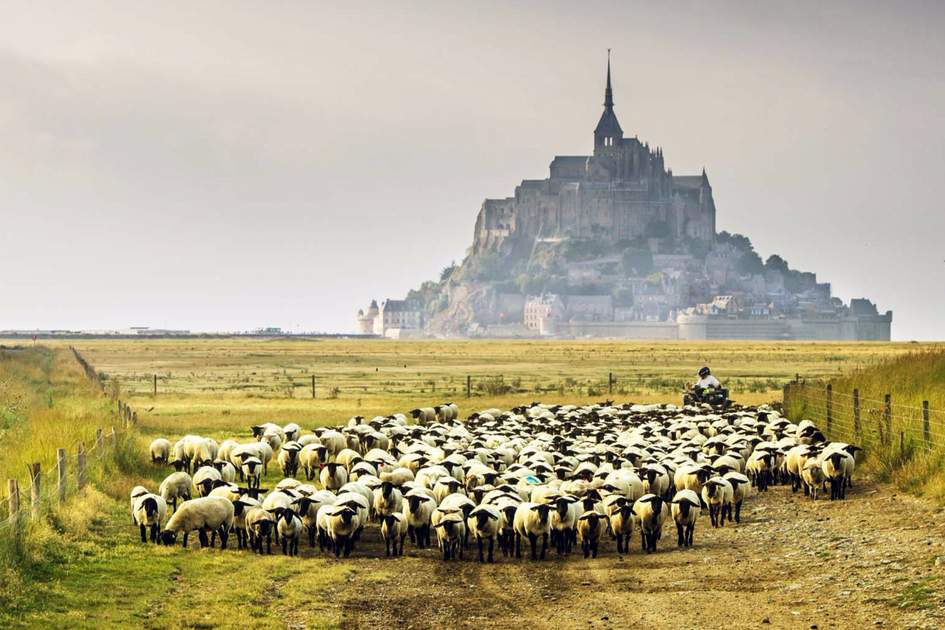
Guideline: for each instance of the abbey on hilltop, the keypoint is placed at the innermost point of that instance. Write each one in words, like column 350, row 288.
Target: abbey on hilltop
column 615, row 245
column 621, row 193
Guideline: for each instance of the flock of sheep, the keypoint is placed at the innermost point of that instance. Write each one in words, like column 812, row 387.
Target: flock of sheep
column 540, row 475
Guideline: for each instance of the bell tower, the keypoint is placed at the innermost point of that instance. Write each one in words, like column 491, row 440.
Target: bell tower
column 607, row 135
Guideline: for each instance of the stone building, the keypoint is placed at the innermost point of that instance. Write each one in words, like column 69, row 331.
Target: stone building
column 620, row 193
column 366, row 318
column 543, row 311
column 391, row 319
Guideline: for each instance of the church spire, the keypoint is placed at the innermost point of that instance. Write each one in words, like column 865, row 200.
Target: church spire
column 609, row 92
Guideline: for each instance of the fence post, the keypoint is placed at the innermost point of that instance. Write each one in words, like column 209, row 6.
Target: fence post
column 155, row 385
column 80, row 466
column 610, row 382
column 61, row 469
column 468, row 386
column 902, row 442
column 925, row 424
column 313, row 386
column 13, row 491
column 887, row 414
column 830, row 408
column 99, row 439
column 35, row 487
column 856, row 414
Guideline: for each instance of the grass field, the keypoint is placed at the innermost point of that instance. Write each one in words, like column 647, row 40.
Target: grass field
column 83, row 567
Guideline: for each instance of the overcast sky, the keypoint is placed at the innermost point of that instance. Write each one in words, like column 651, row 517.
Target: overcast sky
column 221, row 166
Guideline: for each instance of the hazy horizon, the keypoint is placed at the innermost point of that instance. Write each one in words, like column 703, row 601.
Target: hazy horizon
column 225, row 166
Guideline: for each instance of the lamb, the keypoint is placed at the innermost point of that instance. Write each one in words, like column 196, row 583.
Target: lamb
column 590, row 526
column 311, row 457
column 333, row 476
column 532, row 521
column 717, row 494
column 450, row 529
column 160, row 450
column 652, row 512
column 177, row 485
column 812, row 475
column 150, row 512
column 289, row 459
column 393, row 531
column 740, row 484
column 685, row 509
column 204, row 478
column 485, row 522
column 259, row 524
column 621, row 524
column 205, row 514
column 289, row 528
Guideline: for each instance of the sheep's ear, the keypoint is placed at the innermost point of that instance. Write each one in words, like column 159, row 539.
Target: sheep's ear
column 494, row 517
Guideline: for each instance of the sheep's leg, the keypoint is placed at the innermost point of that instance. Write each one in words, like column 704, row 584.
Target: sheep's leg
column 349, row 543
column 518, row 545
column 224, row 536
column 154, row 532
column 491, row 543
column 410, row 533
column 544, row 545
column 689, row 531
column 643, row 541
column 738, row 512
column 479, row 543
column 143, row 539
column 680, row 537
column 269, row 543
column 594, row 548
column 586, row 548
column 202, row 535
column 338, row 545
column 186, row 534
column 533, row 540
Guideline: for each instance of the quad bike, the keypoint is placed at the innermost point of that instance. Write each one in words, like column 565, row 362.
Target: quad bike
column 715, row 396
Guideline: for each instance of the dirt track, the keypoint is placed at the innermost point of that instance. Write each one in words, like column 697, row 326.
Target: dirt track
column 790, row 564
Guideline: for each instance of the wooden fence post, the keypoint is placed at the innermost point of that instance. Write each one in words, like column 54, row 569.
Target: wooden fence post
column 80, row 466
column 856, row 413
column 468, row 386
column 887, row 415
column 610, row 382
column 313, row 386
column 902, row 442
column 35, row 487
column 925, row 424
column 61, row 469
column 155, row 385
column 99, row 439
column 13, row 492
column 830, row 408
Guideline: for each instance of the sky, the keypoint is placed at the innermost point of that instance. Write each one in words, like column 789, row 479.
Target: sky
column 231, row 165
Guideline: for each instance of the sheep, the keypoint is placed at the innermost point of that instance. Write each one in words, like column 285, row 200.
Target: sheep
column 564, row 519
column 835, row 465
column 204, row 478
column 160, row 450
column 291, row 431
column 812, row 475
column 387, row 499
column 621, row 525
column 260, row 524
column 424, row 415
column 652, row 511
column 311, row 457
column 393, row 532
column 532, row 521
column 205, row 514
column 333, row 476
column 485, row 522
column 333, row 441
column 252, row 468
column 136, row 493
column 759, row 468
column 685, row 509
column 150, row 512
column 289, row 459
column 308, row 510
column 338, row 524
column 717, row 493
column 418, row 511
column 177, row 485
column 590, row 525
column 289, row 528
column 226, row 469
column 450, row 529
column 740, row 484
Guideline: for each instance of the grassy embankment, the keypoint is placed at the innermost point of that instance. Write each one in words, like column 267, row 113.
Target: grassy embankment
column 895, row 450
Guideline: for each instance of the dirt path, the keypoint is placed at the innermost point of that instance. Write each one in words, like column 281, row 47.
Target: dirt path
column 869, row 561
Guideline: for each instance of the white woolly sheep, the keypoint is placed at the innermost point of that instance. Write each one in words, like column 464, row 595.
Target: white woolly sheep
column 150, row 512
column 393, row 532
column 812, row 475
column 418, row 509
column 685, row 508
column 260, row 524
column 485, row 522
column 333, row 476
column 160, row 450
column 621, row 525
column 288, row 459
column 590, row 526
column 717, row 493
column 204, row 478
column 652, row 512
column 177, row 485
column 424, row 415
column 252, row 468
column 291, row 431
column 532, row 521
column 387, row 500
column 204, row 514
column 289, row 527
column 311, row 458
column 337, row 525
column 450, row 526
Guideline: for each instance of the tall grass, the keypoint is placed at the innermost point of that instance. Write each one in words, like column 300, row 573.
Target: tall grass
column 896, row 448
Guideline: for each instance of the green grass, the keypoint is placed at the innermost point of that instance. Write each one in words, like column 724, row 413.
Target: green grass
column 918, row 595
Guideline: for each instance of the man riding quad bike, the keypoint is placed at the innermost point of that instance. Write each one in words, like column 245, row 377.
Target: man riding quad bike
column 708, row 390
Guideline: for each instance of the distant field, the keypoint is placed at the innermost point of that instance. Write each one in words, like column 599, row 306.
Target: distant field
column 221, row 384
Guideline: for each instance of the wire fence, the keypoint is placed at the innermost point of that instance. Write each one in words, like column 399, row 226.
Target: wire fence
column 44, row 490
column 875, row 424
